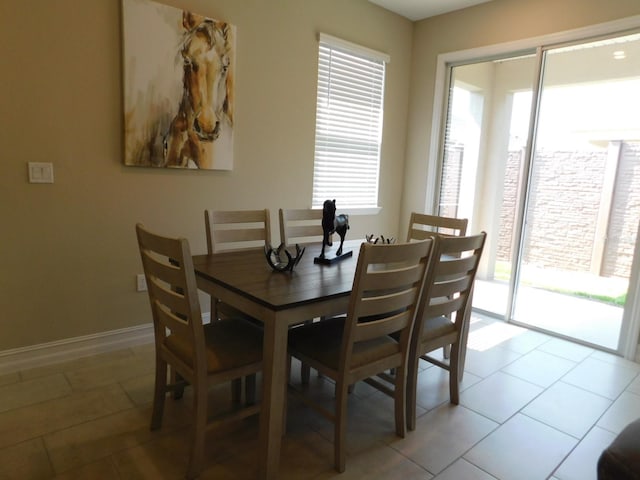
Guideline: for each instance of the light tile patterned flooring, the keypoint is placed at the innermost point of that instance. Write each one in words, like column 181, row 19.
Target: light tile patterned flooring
column 532, row 407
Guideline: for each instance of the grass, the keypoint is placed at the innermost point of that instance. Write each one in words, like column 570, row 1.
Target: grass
column 612, row 291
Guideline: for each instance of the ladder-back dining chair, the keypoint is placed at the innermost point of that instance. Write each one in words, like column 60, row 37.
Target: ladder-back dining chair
column 300, row 225
column 423, row 226
column 443, row 314
column 235, row 230
column 200, row 355
column 232, row 230
column 386, row 289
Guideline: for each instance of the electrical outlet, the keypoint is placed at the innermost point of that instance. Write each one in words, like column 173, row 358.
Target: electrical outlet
column 40, row 172
column 141, row 283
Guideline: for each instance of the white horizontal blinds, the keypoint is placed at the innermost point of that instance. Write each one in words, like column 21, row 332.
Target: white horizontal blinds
column 348, row 124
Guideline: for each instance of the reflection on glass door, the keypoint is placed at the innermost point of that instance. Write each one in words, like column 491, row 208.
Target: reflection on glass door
column 583, row 200
column 560, row 202
column 485, row 139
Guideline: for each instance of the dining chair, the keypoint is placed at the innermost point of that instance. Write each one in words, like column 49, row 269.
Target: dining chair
column 423, row 226
column 235, row 230
column 201, row 355
column 232, row 230
column 300, row 225
column 443, row 313
column 383, row 301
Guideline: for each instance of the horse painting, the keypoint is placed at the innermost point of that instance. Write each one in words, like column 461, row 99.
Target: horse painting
column 332, row 223
column 177, row 115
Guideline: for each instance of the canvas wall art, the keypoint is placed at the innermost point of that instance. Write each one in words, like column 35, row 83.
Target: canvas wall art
column 178, row 71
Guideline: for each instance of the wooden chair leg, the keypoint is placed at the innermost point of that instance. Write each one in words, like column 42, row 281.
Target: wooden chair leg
column 340, row 427
column 199, row 428
column 400, row 402
column 305, row 374
column 178, row 382
column 454, row 375
column 287, row 379
column 236, row 391
column 250, row 389
column 305, row 370
column 160, row 393
column 411, row 391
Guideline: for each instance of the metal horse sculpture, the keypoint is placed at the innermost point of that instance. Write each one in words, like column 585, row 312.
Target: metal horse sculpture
column 205, row 108
column 332, row 223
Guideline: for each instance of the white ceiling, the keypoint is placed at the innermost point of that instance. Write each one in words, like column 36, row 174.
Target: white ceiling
column 419, row 9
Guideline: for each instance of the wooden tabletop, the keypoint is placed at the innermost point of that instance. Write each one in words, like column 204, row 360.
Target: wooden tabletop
column 248, row 274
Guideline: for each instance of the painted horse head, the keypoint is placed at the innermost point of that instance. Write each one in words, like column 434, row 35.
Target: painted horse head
column 207, row 85
column 206, row 56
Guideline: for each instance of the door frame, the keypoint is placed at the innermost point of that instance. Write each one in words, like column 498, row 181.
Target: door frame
column 630, row 330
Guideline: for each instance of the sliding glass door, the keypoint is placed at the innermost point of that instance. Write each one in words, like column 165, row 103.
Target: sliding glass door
column 489, row 109
column 542, row 151
column 583, row 192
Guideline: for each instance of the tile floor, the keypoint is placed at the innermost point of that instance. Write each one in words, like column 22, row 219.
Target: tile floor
column 532, row 407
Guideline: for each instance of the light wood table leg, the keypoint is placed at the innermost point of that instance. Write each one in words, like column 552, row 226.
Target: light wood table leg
column 273, row 401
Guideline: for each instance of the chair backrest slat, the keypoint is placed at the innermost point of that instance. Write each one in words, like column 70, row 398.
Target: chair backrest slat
column 450, row 265
column 378, row 279
column 444, row 306
column 386, row 303
column 172, row 321
column 240, row 235
column 451, row 287
column 162, row 270
column 378, row 328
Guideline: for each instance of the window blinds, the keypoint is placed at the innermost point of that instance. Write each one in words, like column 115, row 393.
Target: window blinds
column 348, row 124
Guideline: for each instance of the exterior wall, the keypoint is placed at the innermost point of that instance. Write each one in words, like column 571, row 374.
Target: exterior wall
column 625, row 212
column 568, row 185
column 509, row 205
column 451, row 178
column 564, row 203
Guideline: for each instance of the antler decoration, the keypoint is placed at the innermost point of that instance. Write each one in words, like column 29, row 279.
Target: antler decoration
column 379, row 239
column 276, row 260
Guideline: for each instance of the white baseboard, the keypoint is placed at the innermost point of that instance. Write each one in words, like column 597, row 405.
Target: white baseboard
column 72, row 348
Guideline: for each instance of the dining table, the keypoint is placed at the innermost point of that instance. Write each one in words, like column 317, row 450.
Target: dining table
column 279, row 299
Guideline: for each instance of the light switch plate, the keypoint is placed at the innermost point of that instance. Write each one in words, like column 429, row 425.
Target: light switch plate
column 40, row 172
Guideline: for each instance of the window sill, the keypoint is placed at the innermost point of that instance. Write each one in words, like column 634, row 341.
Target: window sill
column 360, row 210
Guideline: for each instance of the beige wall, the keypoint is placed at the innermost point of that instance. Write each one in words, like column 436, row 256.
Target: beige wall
column 499, row 21
column 69, row 250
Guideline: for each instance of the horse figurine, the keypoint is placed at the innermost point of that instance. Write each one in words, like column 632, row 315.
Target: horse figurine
column 332, row 223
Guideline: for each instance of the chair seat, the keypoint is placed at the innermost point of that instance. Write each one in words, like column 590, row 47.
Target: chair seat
column 621, row 459
column 437, row 327
column 322, row 341
column 231, row 343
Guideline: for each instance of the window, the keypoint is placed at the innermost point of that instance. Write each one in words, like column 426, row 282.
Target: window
column 348, row 124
